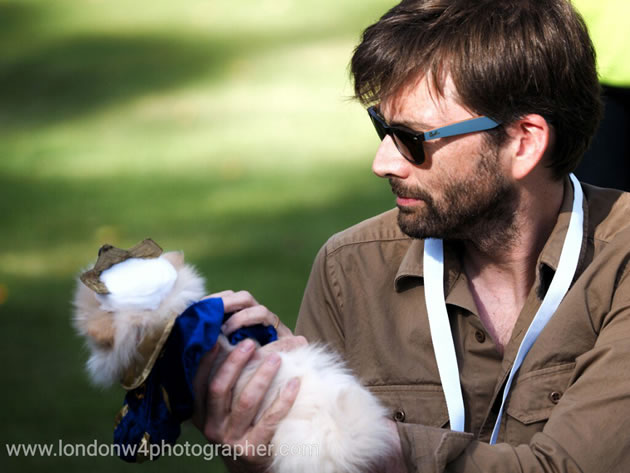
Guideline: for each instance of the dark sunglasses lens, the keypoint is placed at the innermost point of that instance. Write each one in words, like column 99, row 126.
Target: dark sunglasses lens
column 380, row 127
column 409, row 147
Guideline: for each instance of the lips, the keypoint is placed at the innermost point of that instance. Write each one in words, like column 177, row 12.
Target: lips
column 406, row 196
column 406, row 201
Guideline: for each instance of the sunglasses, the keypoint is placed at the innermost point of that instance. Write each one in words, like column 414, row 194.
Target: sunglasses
column 409, row 143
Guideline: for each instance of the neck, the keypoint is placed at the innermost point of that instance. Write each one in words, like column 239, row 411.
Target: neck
column 511, row 261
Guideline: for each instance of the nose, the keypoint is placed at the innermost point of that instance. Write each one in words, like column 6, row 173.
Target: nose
column 388, row 162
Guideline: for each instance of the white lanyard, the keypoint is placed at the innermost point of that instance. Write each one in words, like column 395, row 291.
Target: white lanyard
column 439, row 322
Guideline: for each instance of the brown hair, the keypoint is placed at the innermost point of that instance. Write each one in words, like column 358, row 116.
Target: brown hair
column 507, row 58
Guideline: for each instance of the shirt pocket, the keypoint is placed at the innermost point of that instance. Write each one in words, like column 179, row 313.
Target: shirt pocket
column 414, row 404
column 531, row 400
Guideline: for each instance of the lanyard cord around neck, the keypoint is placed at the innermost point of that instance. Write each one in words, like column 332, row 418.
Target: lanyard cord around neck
column 441, row 334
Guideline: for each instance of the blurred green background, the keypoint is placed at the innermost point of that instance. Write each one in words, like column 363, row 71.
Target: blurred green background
column 221, row 128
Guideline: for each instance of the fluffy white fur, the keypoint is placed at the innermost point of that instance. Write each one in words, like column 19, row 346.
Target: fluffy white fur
column 335, row 424
column 107, row 365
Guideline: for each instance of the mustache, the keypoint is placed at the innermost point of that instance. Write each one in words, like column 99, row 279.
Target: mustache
column 401, row 190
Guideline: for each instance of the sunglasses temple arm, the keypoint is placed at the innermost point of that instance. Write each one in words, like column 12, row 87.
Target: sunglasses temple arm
column 468, row 126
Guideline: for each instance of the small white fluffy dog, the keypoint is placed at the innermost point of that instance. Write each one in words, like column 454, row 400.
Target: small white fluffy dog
column 126, row 315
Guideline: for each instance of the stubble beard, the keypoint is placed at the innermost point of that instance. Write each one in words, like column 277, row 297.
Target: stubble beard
column 479, row 208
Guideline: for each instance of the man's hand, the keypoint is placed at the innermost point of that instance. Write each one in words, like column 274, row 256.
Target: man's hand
column 247, row 311
column 229, row 421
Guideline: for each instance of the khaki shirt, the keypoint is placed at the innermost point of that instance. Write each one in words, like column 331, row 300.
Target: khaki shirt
column 569, row 406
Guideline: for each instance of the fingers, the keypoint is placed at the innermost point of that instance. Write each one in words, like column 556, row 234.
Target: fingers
column 237, row 301
column 231, row 422
column 283, row 331
column 246, row 311
column 258, row 314
column 264, row 430
column 219, row 397
column 219, row 294
column 251, row 397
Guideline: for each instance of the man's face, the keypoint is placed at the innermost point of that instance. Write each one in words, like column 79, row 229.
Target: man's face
column 461, row 190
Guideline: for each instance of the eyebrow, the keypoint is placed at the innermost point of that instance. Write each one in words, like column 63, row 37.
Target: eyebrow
column 414, row 126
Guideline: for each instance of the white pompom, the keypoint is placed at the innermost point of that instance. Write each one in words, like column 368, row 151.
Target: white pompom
column 136, row 283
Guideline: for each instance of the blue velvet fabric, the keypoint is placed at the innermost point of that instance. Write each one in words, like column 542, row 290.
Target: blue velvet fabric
column 155, row 410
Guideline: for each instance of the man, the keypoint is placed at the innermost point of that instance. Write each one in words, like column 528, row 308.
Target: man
column 488, row 201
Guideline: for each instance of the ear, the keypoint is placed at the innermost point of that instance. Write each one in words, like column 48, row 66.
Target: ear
column 176, row 258
column 531, row 137
column 100, row 328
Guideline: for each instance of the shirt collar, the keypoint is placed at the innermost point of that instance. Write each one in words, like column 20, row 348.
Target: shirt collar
column 550, row 255
column 411, row 267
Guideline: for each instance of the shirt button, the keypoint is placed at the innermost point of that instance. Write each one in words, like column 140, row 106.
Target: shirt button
column 555, row 396
column 399, row 415
column 480, row 336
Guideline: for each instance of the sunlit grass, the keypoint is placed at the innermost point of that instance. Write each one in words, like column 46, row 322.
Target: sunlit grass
column 266, row 113
column 221, row 129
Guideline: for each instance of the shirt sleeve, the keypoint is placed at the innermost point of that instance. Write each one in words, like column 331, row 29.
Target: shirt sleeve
column 320, row 316
column 587, row 431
